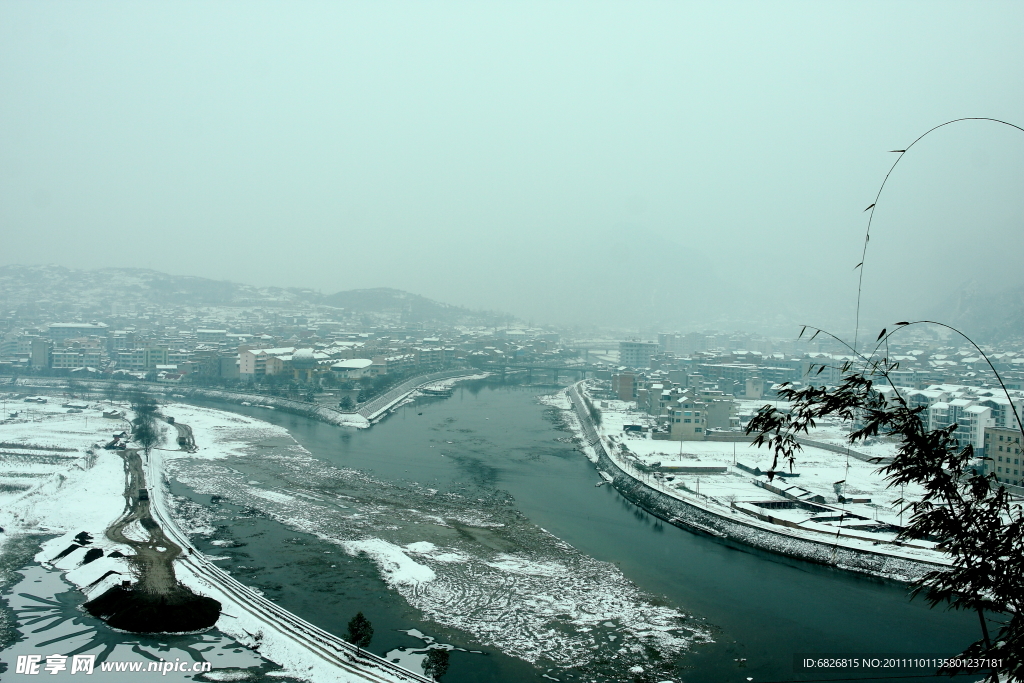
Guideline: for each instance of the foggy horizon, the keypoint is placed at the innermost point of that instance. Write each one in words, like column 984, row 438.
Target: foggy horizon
column 603, row 164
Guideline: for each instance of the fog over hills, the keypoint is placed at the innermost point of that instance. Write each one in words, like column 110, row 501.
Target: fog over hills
column 654, row 302
column 986, row 315
column 93, row 292
column 647, row 167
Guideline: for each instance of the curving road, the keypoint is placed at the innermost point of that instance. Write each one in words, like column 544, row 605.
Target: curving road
column 154, row 558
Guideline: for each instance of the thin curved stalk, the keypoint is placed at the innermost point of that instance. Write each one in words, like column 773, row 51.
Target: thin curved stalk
column 878, row 195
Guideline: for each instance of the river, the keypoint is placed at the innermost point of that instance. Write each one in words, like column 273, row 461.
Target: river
column 487, row 439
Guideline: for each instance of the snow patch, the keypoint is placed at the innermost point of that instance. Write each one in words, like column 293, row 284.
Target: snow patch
column 397, row 567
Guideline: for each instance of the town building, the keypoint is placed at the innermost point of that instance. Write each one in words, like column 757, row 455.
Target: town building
column 58, row 332
column 687, row 419
column 637, row 354
column 1003, row 455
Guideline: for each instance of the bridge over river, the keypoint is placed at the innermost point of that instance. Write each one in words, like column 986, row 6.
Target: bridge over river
column 579, row 371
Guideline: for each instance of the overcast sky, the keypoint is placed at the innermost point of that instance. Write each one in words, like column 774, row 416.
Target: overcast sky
column 566, row 162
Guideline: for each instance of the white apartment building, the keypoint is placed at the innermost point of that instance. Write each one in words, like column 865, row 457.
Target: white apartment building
column 58, row 332
column 634, row 354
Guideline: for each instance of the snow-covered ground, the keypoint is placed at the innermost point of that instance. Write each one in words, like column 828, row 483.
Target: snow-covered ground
column 479, row 567
column 56, row 480
column 703, row 474
column 55, row 476
column 818, row 469
column 50, row 625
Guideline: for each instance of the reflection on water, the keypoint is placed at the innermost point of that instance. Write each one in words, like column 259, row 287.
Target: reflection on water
column 465, row 488
column 412, row 657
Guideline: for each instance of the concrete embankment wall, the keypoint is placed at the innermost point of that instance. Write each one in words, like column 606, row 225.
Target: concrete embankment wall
column 691, row 516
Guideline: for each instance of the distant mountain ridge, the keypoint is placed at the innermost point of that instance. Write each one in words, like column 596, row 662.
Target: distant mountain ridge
column 414, row 307
column 27, row 284
column 96, row 290
column 987, row 316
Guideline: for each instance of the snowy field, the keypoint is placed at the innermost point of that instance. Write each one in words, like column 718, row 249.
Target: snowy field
column 56, row 480
column 54, row 475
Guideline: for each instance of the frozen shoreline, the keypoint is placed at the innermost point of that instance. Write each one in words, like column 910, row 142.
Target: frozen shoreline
column 536, row 601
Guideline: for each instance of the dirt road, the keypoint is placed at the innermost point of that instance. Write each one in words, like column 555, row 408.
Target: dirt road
column 154, row 557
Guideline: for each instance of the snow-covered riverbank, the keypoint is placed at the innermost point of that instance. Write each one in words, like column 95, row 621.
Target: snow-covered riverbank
column 478, row 567
column 844, row 548
column 474, row 564
column 58, row 481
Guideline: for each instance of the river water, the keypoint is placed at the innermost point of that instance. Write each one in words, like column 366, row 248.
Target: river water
column 496, row 451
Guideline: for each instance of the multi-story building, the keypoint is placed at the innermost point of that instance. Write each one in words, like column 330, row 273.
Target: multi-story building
column 253, row 363
column 1003, row 453
column 1003, row 410
column 63, row 359
column 672, row 343
column 971, row 420
column 730, row 372
column 66, row 359
column 719, row 409
column 204, row 335
column 624, row 386
column 131, row 359
column 41, row 350
column 385, row 365
column 432, row 357
column 58, row 332
column 636, row 354
column 971, row 424
column 121, row 340
column 178, row 356
column 157, row 355
column 824, row 370
column 687, row 419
